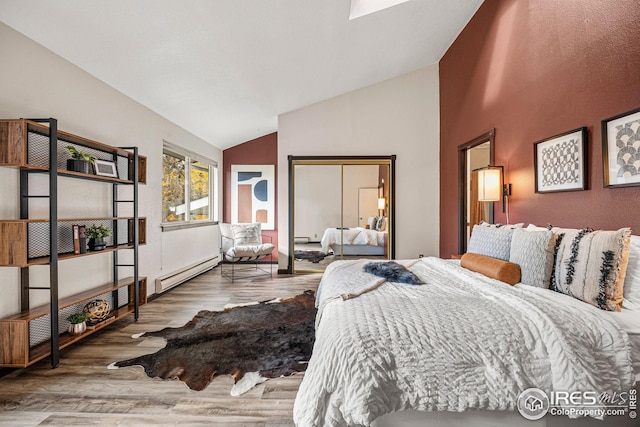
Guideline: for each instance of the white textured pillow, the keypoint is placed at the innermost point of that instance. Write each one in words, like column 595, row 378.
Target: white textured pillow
column 533, row 252
column 533, row 227
column 246, row 234
column 492, row 240
column 591, row 265
column 632, row 279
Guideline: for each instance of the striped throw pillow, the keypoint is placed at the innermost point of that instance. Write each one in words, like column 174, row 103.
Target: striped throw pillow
column 591, row 265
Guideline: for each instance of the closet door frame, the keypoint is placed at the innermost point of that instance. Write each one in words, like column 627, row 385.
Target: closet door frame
column 343, row 161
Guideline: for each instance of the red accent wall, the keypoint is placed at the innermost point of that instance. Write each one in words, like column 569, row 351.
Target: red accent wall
column 259, row 151
column 534, row 69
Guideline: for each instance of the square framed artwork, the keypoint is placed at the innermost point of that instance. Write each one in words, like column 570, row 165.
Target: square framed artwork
column 560, row 162
column 621, row 149
column 105, row 168
column 253, row 195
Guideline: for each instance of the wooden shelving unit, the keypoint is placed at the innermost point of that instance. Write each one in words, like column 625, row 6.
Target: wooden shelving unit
column 36, row 146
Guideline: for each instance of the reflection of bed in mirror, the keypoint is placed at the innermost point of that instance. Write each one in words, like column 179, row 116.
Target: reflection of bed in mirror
column 357, row 241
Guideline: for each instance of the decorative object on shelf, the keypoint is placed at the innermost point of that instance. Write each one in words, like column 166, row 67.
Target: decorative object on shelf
column 96, row 235
column 78, row 323
column 105, row 168
column 97, row 310
column 621, row 149
column 80, row 161
column 561, row 162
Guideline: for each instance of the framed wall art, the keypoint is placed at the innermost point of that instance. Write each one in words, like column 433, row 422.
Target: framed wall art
column 253, row 195
column 560, row 162
column 105, row 168
column 621, row 149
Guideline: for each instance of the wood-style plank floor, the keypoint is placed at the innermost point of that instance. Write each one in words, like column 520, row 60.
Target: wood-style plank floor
column 82, row 391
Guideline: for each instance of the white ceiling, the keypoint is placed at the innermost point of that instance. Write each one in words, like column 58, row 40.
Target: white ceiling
column 225, row 69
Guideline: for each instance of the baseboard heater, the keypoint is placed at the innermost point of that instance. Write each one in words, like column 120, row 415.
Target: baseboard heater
column 177, row 277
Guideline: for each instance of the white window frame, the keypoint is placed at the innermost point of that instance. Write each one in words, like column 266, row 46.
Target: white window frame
column 189, row 156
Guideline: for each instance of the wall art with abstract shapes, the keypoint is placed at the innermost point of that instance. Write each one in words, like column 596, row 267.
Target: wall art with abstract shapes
column 253, row 194
column 621, row 149
column 560, row 162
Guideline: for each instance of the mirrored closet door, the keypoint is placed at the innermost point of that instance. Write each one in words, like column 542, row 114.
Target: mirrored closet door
column 340, row 208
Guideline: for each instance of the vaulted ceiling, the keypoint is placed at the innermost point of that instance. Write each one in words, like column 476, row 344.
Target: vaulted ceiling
column 225, row 69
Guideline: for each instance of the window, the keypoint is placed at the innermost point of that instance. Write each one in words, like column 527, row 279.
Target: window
column 189, row 188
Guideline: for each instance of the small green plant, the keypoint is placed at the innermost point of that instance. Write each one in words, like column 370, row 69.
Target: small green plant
column 79, row 155
column 97, row 232
column 78, row 318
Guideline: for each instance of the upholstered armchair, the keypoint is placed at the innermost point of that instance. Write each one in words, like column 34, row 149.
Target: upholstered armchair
column 245, row 251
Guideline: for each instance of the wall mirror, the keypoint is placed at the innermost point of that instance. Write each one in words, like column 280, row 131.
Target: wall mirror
column 340, row 208
column 472, row 155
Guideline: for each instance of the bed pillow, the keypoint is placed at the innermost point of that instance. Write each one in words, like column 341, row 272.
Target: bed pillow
column 632, row 277
column 246, row 234
column 372, row 221
column 591, row 266
column 492, row 240
column 381, row 225
column 533, row 252
column 492, row 267
column 533, row 227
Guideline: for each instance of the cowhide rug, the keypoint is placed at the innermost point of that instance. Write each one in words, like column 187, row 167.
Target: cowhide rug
column 251, row 343
column 313, row 256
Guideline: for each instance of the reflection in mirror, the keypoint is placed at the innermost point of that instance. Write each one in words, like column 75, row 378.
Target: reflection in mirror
column 477, row 157
column 474, row 154
column 340, row 211
column 317, row 207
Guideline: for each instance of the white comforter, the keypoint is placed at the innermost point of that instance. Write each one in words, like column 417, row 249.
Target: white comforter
column 460, row 341
column 352, row 236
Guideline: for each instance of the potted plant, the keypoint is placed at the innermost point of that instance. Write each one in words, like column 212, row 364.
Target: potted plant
column 96, row 235
column 78, row 323
column 80, row 161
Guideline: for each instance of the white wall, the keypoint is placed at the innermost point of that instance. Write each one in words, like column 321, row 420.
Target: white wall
column 35, row 82
column 398, row 116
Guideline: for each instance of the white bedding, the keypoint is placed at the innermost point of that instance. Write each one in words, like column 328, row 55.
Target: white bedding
column 629, row 322
column 352, row 236
column 461, row 341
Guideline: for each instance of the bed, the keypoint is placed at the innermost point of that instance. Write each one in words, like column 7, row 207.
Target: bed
column 457, row 350
column 354, row 241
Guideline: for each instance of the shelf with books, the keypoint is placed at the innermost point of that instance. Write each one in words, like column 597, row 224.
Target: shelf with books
column 24, row 244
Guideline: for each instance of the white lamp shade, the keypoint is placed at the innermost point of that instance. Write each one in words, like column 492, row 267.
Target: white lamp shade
column 489, row 185
column 381, row 203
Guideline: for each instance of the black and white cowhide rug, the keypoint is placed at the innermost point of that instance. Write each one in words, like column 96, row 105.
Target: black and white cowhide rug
column 252, row 343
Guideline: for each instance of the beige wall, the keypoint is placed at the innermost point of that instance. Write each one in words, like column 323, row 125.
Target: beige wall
column 398, row 116
column 34, row 82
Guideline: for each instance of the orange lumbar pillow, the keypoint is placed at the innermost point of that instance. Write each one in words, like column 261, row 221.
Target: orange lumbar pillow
column 498, row 269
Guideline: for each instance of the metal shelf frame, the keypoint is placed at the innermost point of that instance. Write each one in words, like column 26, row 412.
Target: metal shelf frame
column 53, row 237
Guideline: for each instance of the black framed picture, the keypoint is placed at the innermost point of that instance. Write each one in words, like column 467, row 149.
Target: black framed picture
column 621, row 149
column 105, row 168
column 560, row 162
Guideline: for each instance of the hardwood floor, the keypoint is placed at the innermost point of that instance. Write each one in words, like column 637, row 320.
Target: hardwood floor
column 82, row 391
